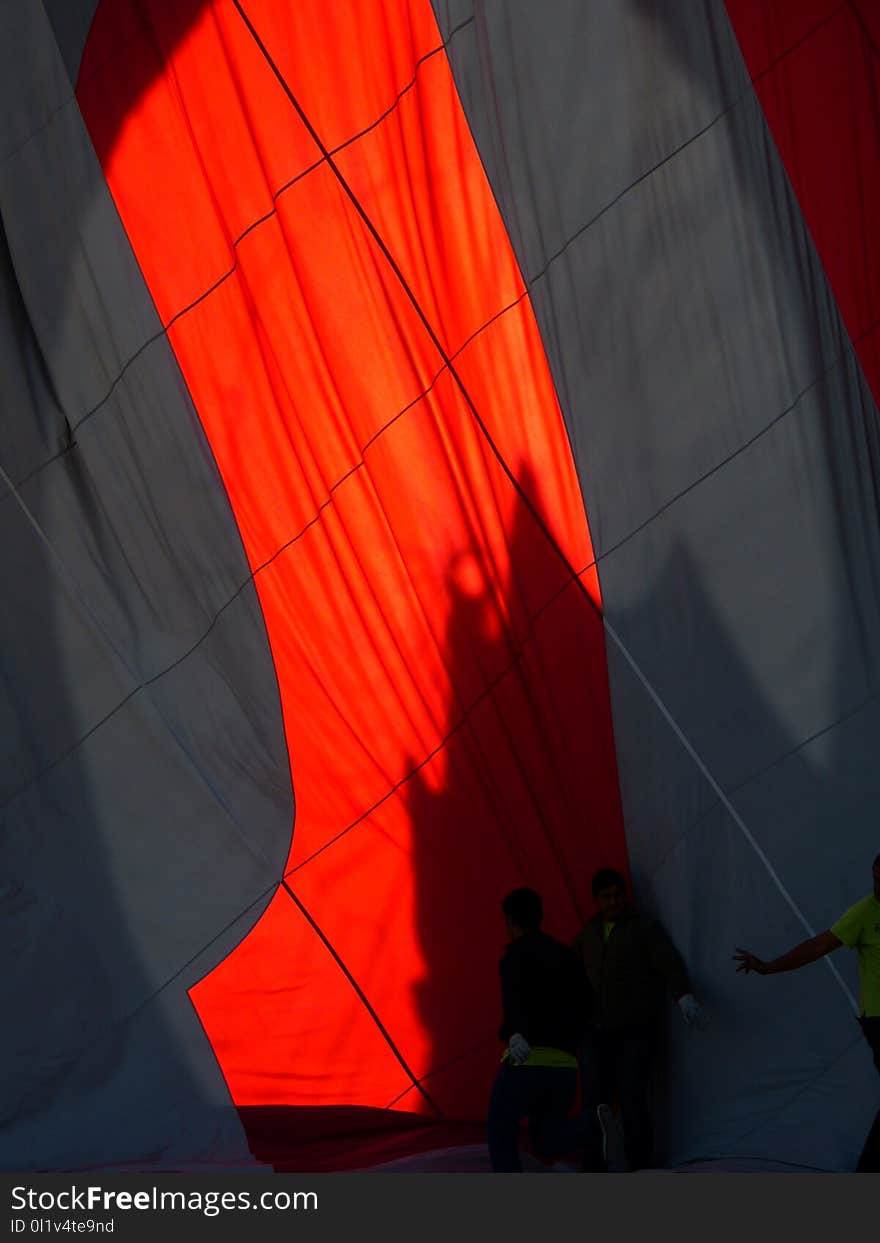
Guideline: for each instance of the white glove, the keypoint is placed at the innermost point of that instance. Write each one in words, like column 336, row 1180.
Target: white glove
column 693, row 1013
column 518, row 1049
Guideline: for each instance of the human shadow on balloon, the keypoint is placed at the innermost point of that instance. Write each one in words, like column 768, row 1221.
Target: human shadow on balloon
column 522, row 792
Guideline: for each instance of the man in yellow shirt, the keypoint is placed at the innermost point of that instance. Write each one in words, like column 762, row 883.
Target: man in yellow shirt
column 858, row 929
column 546, row 1003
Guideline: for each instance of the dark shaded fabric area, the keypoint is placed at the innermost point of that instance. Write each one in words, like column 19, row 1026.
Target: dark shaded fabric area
column 727, row 445
column 297, row 1139
column 71, row 21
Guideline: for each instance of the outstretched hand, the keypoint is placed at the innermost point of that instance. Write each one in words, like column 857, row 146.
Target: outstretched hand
column 749, row 962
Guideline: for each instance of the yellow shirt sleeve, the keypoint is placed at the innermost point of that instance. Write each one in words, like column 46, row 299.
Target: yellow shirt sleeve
column 849, row 927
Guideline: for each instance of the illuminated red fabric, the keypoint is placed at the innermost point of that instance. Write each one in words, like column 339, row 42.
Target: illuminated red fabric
column 443, row 679
column 816, row 67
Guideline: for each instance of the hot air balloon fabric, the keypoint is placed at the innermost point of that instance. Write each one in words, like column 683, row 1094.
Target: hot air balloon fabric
column 439, row 454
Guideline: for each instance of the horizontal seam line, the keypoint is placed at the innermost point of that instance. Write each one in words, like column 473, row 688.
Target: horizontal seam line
column 251, row 578
column 221, row 280
column 836, row 361
column 529, row 283
column 732, row 791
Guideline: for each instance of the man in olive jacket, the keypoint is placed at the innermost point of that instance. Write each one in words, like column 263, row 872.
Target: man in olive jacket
column 631, row 964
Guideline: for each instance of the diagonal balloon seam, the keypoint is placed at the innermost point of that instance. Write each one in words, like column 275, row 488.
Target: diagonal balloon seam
column 598, row 559
column 364, row 1000
column 529, row 281
column 158, row 675
column 672, row 574
column 609, row 630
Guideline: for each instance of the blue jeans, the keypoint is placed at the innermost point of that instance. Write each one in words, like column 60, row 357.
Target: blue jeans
column 544, row 1095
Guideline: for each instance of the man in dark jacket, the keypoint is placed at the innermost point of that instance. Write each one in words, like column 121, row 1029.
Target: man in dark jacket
column 631, row 964
column 546, row 1004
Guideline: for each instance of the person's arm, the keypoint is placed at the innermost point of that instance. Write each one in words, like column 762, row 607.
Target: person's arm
column 666, row 959
column 803, row 954
column 514, row 1023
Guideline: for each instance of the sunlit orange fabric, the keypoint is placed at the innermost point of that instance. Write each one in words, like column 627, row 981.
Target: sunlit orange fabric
column 816, row 67
column 442, row 676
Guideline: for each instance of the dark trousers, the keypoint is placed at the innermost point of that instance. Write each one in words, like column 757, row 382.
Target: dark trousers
column 869, row 1161
column 544, row 1095
column 618, row 1065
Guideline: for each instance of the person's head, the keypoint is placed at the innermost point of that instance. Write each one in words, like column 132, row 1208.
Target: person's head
column 609, row 890
column 877, row 878
column 523, row 912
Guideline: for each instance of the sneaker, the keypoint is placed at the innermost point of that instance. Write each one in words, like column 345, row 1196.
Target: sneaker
column 604, row 1117
column 596, row 1151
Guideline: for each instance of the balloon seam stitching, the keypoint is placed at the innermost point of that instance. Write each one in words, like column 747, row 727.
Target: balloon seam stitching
column 386, row 1035
column 526, row 500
